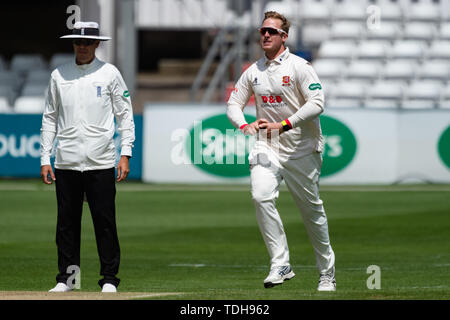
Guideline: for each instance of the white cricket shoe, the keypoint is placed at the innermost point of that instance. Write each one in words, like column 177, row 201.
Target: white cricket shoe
column 60, row 287
column 327, row 282
column 108, row 287
column 278, row 276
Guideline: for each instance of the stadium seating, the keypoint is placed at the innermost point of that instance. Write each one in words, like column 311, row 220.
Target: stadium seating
column 346, row 30
column 422, row 11
column 420, row 31
column 4, row 105
column 384, row 94
column 338, row 49
column 348, row 93
column 10, row 79
column 36, row 90
column 390, row 11
column 372, row 49
column 314, row 11
column 444, row 102
column 29, row 105
column 329, row 69
column 38, row 77
column 60, row 58
column 444, row 31
column 363, row 69
column 439, row 50
column 385, row 31
column 407, row 49
column 422, row 94
column 434, row 69
column 399, row 70
column 22, row 63
column 349, row 10
column 8, row 92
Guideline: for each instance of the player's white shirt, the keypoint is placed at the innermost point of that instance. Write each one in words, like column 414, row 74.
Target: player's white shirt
column 284, row 88
column 81, row 103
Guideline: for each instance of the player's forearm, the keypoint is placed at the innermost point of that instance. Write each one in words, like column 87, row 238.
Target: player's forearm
column 309, row 111
column 235, row 115
column 47, row 138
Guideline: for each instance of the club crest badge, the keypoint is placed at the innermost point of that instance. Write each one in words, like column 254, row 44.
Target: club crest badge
column 286, row 81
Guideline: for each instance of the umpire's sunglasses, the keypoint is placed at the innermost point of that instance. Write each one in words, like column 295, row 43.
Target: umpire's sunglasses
column 271, row 31
column 86, row 42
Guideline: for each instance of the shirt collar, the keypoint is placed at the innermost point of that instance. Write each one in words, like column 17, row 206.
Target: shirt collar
column 88, row 65
column 278, row 59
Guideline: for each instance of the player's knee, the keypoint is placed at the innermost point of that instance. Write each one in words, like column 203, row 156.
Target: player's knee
column 262, row 195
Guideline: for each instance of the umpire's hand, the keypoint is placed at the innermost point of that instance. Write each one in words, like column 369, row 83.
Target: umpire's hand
column 47, row 174
column 123, row 168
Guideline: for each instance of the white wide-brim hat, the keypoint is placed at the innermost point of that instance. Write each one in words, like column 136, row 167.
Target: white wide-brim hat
column 86, row 30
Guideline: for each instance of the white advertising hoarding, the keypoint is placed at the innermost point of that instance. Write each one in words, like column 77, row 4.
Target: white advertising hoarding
column 196, row 144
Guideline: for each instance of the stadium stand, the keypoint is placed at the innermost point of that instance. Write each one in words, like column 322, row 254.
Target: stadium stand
column 434, row 69
column 445, row 97
column 363, row 70
column 385, row 31
column 410, row 46
column 24, row 84
column 60, row 58
column 384, row 94
column 444, row 31
column 329, row 69
column 399, row 70
column 4, row 105
column 31, row 104
column 22, row 63
column 422, row 95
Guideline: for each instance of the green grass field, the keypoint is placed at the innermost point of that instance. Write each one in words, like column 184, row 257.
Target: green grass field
column 203, row 241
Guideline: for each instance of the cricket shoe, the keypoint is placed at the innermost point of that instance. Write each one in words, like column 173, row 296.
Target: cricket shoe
column 327, row 281
column 60, row 287
column 278, row 275
column 108, row 287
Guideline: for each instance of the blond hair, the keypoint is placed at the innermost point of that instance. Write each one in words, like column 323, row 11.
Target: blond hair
column 285, row 24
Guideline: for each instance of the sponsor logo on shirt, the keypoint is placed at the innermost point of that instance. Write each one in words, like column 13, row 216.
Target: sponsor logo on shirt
column 255, row 82
column 272, row 101
column 126, row 94
column 286, row 81
column 315, row 86
column 99, row 91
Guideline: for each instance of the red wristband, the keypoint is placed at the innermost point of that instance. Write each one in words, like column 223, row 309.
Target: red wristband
column 243, row 126
column 288, row 122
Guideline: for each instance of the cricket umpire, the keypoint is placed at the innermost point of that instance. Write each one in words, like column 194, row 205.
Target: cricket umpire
column 83, row 98
column 289, row 99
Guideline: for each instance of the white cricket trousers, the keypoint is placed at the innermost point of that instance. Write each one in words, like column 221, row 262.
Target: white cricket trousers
column 301, row 177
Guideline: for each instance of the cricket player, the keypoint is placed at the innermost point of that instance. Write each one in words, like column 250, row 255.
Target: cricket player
column 84, row 96
column 289, row 99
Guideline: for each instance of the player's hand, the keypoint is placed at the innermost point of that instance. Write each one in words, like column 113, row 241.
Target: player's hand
column 47, row 174
column 271, row 127
column 253, row 127
column 123, row 168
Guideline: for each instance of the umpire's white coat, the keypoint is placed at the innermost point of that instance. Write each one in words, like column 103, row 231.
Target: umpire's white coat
column 81, row 103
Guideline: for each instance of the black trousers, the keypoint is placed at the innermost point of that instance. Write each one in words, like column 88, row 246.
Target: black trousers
column 100, row 189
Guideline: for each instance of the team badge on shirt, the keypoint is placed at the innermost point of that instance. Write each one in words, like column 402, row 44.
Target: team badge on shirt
column 286, row 81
